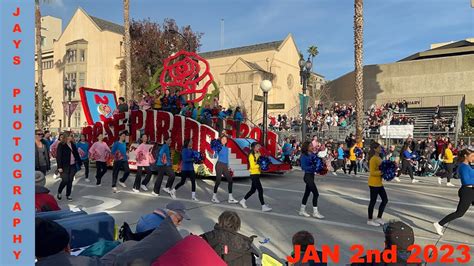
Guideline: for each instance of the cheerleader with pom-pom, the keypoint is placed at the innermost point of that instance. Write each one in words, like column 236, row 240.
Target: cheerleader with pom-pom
column 100, row 152
column 221, row 152
column 254, row 168
column 188, row 158
column 375, row 185
column 309, row 169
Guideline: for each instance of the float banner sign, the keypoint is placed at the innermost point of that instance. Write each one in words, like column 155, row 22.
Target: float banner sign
column 17, row 154
column 396, row 131
column 98, row 105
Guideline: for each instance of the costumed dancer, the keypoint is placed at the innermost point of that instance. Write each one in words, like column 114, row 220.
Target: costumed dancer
column 375, row 185
column 309, row 170
column 465, row 193
column 222, row 169
column 164, row 163
column 187, row 168
column 119, row 151
column 68, row 161
column 143, row 158
column 353, row 158
column 83, row 149
column 254, row 169
column 448, row 160
column 407, row 163
column 100, row 152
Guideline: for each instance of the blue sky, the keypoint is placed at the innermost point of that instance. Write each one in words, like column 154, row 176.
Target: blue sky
column 393, row 29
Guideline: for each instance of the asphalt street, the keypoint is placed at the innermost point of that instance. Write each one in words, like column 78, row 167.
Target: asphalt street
column 343, row 201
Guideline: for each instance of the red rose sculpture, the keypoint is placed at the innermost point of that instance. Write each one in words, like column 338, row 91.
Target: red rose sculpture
column 182, row 70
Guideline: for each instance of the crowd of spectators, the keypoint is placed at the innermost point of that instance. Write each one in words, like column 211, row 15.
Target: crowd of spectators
column 440, row 123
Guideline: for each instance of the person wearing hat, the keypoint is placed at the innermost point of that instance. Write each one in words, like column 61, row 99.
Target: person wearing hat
column 52, row 246
column 175, row 210
column 400, row 235
column 43, row 200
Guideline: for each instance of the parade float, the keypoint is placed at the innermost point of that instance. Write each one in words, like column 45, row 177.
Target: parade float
column 181, row 72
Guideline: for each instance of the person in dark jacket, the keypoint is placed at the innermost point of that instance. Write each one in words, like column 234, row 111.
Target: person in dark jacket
column 68, row 160
column 42, row 158
column 43, row 200
column 234, row 248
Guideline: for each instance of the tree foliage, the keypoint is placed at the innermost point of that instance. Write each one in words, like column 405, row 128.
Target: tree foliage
column 468, row 127
column 48, row 111
column 151, row 43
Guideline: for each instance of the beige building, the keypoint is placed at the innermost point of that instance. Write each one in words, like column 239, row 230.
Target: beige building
column 441, row 75
column 88, row 51
column 239, row 71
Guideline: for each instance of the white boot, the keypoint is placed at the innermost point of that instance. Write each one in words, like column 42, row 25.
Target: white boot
column 439, row 180
column 242, row 203
column 193, row 196
column 449, row 184
column 316, row 213
column 214, row 198
column 397, row 179
column 303, row 211
column 438, row 228
column 231, row 199
column 372, row 223
column 266, row 208
column 173, row 193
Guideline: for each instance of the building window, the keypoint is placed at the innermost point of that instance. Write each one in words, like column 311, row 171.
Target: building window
column 82, row 55
column 72, row 76
column 77, row 117
column 239, row 92
column 48, row 64
column 42, row 40
column 71, row 56
column 82, row 80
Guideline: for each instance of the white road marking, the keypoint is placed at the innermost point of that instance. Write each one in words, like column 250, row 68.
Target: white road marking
column 107, row 203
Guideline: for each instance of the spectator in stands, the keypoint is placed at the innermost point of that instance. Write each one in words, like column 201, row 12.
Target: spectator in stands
column 52, row 246
column 42, row 160
column 134, row 105
column 234, row 248
column 165, row 101
column 399, row 236
column 175, row 210
column 157, row 100
column 147, row 101
column 305, row 239
column 43, row 200
column 123, row 106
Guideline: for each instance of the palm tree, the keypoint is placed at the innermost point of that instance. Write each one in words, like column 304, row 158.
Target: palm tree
column 359, row 70
column 127, row 46
column 39, row 61
column 313, row 52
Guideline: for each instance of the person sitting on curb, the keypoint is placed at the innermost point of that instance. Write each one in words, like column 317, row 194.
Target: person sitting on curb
column 234, row 248
column 44, row 201
column 304, row 239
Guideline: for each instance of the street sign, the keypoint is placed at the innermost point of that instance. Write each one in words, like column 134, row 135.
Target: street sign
column 275, row 106
column 258, row 98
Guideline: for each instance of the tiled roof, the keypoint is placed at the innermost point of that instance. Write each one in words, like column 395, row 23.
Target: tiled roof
column 255, row 66
column 108, row 26
column 243, row 50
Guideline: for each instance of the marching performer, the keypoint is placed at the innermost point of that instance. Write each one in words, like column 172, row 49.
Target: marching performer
column 254, row 169
column 100, row 152
column 187, row 168
column 308, row 168
column 164, row 162
column 465, row 193
column 143, row 158
column 375, row 185
column 83, row 149
column 119, row 151
column 222, row 169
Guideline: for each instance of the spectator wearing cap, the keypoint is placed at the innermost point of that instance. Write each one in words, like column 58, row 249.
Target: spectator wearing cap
column 52, row 246
column 400, row 236
column 43, row 200
column 305, row 239
column 175, row 210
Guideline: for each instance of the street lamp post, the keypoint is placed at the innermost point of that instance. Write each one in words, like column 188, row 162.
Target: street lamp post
column 305, row 73
column 265, row 86
column 69, row 89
